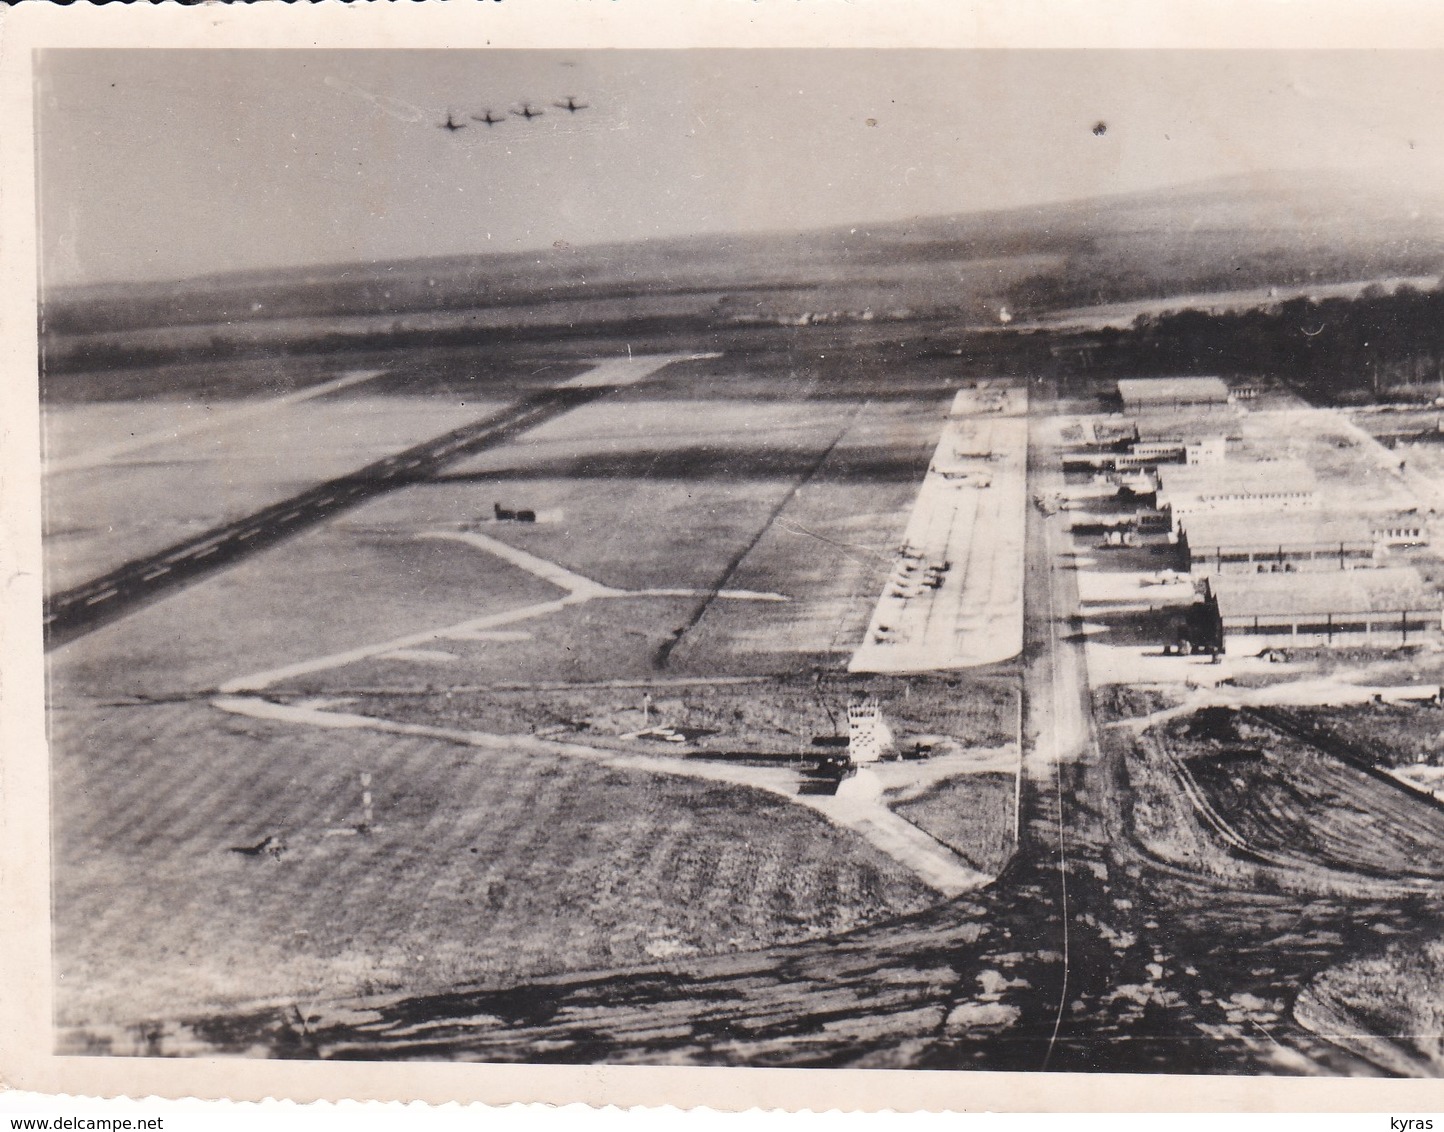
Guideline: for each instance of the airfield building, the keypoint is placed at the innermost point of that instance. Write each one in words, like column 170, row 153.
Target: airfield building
column 1400, row 530
column 1170, row 394
column 1269, row 486
column 1205, row 450
column 1385, row 607
column 1293, row 542
column 868, row 736
column 1192, row 451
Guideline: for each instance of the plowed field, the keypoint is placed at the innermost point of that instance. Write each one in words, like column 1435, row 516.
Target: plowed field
column 1295, row 804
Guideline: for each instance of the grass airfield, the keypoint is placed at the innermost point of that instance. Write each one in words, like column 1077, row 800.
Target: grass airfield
column 482, row 868
column 708, row 538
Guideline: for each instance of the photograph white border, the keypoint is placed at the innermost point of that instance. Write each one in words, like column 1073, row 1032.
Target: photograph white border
column 25, row 1030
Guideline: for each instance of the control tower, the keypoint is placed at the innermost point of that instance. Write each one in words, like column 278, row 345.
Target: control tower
column 868, row 736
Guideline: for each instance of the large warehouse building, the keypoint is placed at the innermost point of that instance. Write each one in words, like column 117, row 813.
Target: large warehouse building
column 1166, row 394
column 1263, row 486
column 1252, row 612
column 1298, row 541
column 1223, row 542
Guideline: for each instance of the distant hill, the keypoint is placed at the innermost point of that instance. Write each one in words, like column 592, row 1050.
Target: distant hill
column 1270, row 230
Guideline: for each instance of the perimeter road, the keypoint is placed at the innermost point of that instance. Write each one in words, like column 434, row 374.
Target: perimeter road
column 1059, row 713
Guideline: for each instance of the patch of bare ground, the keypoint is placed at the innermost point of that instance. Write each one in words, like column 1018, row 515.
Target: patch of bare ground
column 1389, row 1008
column 774, row 716
column 1168, row 821
column 1115, row 702
column 1250, row 924
column 1391, row 734
column 1315, row 819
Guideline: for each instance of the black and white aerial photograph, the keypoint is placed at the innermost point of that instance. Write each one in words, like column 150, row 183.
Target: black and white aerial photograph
column 809, row 558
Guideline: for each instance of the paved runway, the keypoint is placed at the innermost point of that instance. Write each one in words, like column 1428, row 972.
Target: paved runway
column 74, row 612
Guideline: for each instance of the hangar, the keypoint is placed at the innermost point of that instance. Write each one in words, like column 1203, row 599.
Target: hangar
column 1264, row 485
column 1298, row 541
column 1162, row 394
column 1385, row 607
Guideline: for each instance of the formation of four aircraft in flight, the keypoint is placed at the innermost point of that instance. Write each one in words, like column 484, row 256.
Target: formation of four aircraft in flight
column 527, row 111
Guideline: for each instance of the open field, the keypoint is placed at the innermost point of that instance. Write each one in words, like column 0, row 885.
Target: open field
column 826, row 550
column 1413, row 440
column 80, row 609
column 418, row 605
column 263, row 615
column 604, row 639
column 330, row 589
column 185, row 385
column 828, row 545
column 655, row 520
column 972, row 815
column 667, row 492
column 463, row 879
column 914, row 363
column 805, row 514
column 1355, row 473
column 460, row 372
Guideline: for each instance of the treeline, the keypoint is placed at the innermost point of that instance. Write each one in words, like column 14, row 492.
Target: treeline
column 70, row 355
column 154, row 308
column 1378, row 346
column 1148, row 267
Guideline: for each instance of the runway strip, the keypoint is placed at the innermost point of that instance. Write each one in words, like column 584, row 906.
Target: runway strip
column 221, row 419
column 84, row 608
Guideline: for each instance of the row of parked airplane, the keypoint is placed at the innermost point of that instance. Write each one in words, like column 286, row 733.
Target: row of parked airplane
column 525, row 110
column 913, row 574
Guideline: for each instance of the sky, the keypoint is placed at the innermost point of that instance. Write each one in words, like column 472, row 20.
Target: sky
column 159, row 165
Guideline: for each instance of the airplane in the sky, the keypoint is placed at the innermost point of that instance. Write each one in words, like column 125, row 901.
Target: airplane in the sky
column 451, row 125
column 571, row 104
column 527, row 112
column 485, row 116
